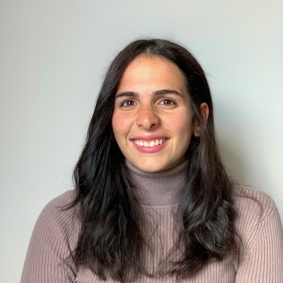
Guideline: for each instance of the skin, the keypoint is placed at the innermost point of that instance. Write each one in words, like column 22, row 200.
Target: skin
column 152, row 118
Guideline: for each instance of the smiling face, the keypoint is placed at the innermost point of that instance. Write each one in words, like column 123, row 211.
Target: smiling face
column 152, row 118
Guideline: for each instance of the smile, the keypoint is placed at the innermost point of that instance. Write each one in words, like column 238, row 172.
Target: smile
column 151, row 143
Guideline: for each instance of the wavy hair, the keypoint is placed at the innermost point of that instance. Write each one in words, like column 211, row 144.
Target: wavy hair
column 110, row 241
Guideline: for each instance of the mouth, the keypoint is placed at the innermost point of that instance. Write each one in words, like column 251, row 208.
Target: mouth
column 151, row 143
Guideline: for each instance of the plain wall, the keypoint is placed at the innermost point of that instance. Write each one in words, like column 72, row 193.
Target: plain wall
column 53, row 55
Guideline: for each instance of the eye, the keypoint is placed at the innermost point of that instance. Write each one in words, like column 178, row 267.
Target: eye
column 167, row 102
column 127, row 103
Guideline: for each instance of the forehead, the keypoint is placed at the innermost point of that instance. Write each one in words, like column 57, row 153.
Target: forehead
column 152, row 69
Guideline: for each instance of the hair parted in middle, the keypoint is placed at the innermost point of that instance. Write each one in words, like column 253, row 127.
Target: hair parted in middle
column 110, row 241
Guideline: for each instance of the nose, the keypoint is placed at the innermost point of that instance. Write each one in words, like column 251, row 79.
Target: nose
column 147, row 118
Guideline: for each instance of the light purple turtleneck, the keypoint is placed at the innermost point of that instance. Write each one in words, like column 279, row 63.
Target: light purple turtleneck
column 159, row 188
column 261, row 256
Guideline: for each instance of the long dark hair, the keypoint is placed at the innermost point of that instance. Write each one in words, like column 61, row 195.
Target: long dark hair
column 110, row 241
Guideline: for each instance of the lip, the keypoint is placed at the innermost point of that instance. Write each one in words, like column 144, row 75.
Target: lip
column 148, row 138
column 154, row 149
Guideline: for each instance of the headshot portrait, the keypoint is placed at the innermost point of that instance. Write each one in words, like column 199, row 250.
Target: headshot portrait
column 142, row 142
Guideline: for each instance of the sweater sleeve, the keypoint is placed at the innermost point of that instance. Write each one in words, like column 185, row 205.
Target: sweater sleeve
column 48, row 257
column 263, row 259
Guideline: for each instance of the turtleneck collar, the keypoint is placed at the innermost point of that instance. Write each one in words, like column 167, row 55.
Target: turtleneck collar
column 159, row 188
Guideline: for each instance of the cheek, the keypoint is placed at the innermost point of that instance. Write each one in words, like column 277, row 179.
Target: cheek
column 119, row 125
column 183, row 130
column 182, row 125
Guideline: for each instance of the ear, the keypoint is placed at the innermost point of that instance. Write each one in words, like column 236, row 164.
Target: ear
column 204, row 111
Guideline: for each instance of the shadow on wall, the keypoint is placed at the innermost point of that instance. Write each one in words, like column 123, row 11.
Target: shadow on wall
column 232, row 158
column 237, row 151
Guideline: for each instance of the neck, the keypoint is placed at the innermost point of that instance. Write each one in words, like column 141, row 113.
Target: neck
column 159, row 188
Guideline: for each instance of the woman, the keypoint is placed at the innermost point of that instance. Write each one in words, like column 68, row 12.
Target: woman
column 153, row 202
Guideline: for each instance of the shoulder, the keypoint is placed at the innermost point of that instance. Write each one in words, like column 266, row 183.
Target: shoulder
column 256, row 213
column 259, row 234
column 57, row 207
column 59, row 202
column 253, row 202
column 53, row 240
column 56, row 218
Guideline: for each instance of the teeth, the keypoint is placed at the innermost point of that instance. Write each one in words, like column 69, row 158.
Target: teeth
column 151, row 143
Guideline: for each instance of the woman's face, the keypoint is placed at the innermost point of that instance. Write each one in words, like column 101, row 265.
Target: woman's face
column 152, row 118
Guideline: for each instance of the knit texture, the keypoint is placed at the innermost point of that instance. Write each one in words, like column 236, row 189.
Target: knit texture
column 258, row 224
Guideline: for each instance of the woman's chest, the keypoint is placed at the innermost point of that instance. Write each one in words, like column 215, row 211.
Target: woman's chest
column 217, row 272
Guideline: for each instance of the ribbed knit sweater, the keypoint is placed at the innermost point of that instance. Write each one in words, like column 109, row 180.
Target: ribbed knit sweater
column 261, row 254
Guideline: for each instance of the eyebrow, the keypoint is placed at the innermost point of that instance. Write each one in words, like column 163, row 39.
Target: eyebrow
column 166, row 91
column 157, row 92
